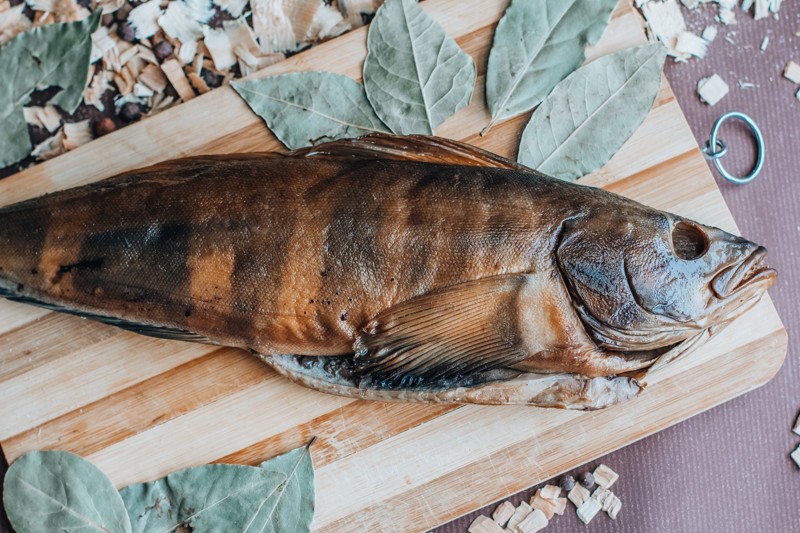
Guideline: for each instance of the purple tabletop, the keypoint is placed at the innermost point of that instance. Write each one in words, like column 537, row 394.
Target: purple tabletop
column 727, row 469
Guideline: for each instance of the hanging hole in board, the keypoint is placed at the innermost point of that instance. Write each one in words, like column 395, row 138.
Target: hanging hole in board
column 720, row 148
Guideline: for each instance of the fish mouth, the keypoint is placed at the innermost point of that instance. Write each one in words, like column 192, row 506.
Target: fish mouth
column 751, row 272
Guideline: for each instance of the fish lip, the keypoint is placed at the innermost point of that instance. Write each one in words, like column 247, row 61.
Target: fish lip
column 749, row 273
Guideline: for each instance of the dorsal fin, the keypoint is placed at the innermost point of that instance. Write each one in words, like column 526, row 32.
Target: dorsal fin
column 409, row 148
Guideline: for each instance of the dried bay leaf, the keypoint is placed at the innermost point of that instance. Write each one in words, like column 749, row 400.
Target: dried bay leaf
column 538, row 43
column 58, row 491
column 415, row 75
column 276, row 496
column 591, row 113
column 55, row 54
column 308, row 108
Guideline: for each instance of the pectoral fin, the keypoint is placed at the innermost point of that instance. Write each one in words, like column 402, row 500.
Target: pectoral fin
column 446, row 335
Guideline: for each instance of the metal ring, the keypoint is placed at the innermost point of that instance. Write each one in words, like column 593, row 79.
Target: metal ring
column 716, row 155
column 722, row 149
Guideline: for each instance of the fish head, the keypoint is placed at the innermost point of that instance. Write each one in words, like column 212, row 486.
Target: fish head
column 643, row 279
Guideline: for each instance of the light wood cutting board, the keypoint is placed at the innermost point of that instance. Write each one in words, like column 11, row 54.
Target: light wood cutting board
column 140, row 407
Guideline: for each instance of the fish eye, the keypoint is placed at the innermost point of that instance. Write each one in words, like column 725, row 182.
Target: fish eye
column 689, row 241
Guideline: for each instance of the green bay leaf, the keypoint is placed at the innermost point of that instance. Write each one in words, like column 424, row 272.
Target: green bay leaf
column 46, row 491
column 276, row 496
column 591, row 113
column 308, row 108
column 55, row 54
column 538, row 43
column 415, row 75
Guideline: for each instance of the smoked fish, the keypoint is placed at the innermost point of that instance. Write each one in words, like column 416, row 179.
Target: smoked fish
column 393, row 268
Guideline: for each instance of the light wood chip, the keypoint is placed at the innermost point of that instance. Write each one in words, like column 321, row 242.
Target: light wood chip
column 46, row 117
column 153, row 77
column 666, row 23
column 519, row 515
column 561, row 505
column 689, row 43
column 174, row 71
column 712, row 90
column 144, row 18
column 503, row 513
column 578, row 495
column 614, row 508
column 604, row 476
column 234, row 7
column 550, row 491
column 535, row 521
column 792, row 72
column 796, row 428
column 76, row 134
column 13, row 22
column 5, row 6
column 272, row 26
column 795, row 455
column 709, row 33
column 50, row 147
column 484, row 524
column 546, row 505
column 588, row 510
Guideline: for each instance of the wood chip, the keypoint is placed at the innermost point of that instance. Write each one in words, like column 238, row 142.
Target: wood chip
column 709, row 33
column 76, row 134
column 153, row 77
column 272, row 27
column 352, row 10
column 198, row 82
column 764, row 43
column 588, row 510
column 711, row 90
column 796, row 428
column 50, row 147
column 762, row 9
column 604, row 476
column 614, row 508
column 93, row 94
column 61, row 10
column 484, row 524
column 689, row 43
column 183, row 19
column 187, row 51
column 535, row 521
column 666, row 24
column 13, row 22
column 46, row 117
column 792, row 72
column 5, row 5
column 503, row 513
column 551, row 491
column 795, row 455
column 174, row 71
column 519, row 515
column 578, row 495
column 561, row 505
column 144, row 18
column 546, row 505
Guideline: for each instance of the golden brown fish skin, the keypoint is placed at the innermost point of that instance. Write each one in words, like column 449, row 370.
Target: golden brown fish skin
column 279, row 255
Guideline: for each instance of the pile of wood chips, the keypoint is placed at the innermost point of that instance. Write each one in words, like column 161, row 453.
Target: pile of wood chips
column 665, row 23
column 547, row 502
column 157, row 53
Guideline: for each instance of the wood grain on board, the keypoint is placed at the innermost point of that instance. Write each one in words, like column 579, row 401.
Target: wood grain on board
column 140, row 407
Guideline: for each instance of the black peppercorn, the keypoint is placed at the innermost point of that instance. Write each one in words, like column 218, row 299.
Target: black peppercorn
column 566, row 482
column 163, row 49
column 126, row 31
column 104, row 127
column 130, row 112
column 587, row 480
column 211, row 79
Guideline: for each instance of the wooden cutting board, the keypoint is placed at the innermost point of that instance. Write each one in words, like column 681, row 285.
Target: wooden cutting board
column 140, row 407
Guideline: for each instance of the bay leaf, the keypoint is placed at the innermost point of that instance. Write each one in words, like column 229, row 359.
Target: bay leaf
column 55, row 54
column 58, row 491
column 276, row 496
column 591, row 113
column 308, row 108
column 415, row 75
column 538, row 43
